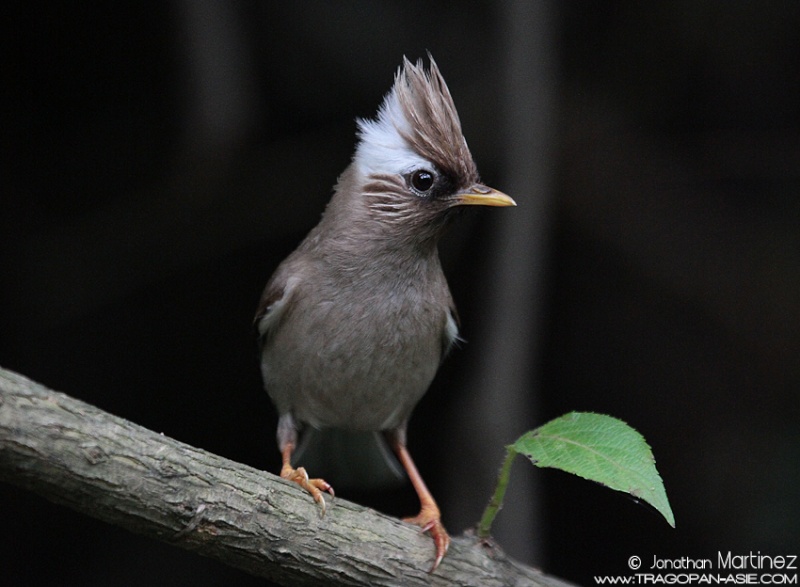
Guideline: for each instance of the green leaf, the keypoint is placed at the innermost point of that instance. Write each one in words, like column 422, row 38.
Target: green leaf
column 602, row 449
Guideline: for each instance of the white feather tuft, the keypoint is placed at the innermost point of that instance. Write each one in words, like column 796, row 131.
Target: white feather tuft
column 382, row 148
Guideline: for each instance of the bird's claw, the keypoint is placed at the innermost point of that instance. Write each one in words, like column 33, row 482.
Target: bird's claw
column 429, row 520
column 315, row 487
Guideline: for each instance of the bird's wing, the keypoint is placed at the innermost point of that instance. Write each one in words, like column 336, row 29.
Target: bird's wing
column 273, row 304
column 450, row 336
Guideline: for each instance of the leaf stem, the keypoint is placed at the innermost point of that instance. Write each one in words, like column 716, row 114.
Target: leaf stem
column 496, row 503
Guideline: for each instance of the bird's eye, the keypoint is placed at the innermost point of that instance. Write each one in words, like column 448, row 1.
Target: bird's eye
column 422, row 180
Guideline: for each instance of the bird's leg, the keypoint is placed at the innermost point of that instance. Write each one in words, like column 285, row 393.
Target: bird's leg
column 287, row 437
column 429, row 517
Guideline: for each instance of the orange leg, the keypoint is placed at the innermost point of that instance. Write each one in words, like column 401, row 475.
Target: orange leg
column 429, row 517
column 314, row 486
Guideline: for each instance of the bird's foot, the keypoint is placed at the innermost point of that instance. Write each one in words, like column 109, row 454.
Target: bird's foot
column 314, row 486
column 429, row 519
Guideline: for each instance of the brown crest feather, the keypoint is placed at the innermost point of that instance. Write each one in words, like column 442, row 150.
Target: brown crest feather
column 435, row 132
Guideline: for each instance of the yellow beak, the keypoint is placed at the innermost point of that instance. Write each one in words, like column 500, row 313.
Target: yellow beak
column 481, row 195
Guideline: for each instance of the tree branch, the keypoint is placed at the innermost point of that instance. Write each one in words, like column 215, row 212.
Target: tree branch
column 77, row 455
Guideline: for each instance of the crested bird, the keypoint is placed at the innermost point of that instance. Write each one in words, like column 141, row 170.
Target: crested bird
column 354, row 323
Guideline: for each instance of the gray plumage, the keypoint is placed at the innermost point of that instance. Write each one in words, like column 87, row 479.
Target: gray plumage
column 354, row 323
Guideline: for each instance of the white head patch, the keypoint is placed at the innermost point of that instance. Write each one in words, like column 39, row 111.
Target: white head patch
column 382, row 148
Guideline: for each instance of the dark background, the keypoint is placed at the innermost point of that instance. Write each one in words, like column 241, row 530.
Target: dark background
column 160, row 159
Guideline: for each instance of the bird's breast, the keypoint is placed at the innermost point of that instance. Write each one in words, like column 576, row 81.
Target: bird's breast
column 357, row 357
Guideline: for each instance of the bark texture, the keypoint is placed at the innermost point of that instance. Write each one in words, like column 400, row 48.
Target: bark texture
column 107, row 467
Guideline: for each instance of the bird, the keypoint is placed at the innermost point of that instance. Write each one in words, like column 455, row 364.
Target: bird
column 354, row 323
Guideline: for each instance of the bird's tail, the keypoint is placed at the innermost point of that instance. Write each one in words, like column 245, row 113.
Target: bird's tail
column 349, row 459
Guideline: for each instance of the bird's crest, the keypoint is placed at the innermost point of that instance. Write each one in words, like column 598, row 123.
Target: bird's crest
column 416, row 123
